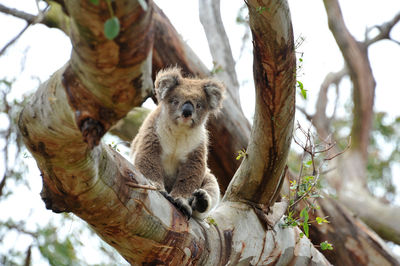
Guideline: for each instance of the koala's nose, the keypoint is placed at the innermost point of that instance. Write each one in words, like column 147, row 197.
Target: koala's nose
column 187, row 109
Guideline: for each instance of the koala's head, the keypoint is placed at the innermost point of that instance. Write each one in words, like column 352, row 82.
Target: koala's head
column 188, row 101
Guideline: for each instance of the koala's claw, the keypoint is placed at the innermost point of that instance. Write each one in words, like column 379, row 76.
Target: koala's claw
column 185, row 208
column 199, row 200
column 179, row 203
column 167, row 196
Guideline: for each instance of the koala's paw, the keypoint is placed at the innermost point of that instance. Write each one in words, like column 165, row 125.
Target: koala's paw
column 183, row 206
column 200, row 200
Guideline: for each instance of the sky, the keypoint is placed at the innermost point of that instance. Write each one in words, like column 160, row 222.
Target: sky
column 44, row 50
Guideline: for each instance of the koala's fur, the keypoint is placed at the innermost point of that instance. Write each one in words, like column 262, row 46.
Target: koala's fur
column 171, row 146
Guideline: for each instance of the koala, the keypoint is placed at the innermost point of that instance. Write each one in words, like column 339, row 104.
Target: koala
column 170, row 148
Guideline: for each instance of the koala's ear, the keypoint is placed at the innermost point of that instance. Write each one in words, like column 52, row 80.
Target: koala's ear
column 166, row 79
column 215, row 92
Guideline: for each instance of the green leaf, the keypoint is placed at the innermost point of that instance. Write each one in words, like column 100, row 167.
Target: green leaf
column 260, row 9
column 321, row 220
column 111, row 28
column 211, row 220
column 306, row 229
column 95, row 2
column 300, row 85
column 302, row 90
column 304, row 215
column 326, row 245
column 143, row 4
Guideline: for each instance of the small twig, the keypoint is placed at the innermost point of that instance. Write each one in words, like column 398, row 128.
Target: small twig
column 304, row 112
column 13, row 40
column 134, row 185
column 384, row 31
column 37, row 19
column 339, row 153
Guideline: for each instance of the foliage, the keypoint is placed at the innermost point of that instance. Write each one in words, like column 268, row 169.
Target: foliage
column 304, row 189
column 384, row 152
column 241, row 154
column 299, row 67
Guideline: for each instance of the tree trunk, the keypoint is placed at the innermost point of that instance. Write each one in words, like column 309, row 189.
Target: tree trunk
column 66, row 118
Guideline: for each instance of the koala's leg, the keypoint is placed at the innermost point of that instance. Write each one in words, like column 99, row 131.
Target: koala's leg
column 205, row 198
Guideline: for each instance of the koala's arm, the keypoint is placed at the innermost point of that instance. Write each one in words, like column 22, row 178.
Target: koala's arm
column 210, row 185
column 205, row 198
column 146, row 150
column 190, row 174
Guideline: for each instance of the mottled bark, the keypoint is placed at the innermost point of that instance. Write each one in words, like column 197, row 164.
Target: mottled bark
column 259, row 176
column 62, row 126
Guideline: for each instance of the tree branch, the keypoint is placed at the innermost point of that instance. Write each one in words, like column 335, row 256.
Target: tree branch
column 319, row 119
column 259, row 176
column 93, row 181
column 384, row 31
column 17, row 13
column 366, row 247
column 218, row 42
column 358, row 64
column 30, row 21
column 54, row 17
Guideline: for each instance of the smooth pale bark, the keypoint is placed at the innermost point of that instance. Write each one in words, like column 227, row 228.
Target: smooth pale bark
column 218, row 43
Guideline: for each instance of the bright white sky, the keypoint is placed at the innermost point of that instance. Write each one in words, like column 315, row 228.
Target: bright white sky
column 45, row 50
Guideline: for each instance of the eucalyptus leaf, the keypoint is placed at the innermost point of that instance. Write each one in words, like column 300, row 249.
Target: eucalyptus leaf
column 111, row 28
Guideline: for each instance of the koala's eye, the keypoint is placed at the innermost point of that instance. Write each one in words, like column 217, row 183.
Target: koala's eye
column 174, row 101
column 199, row 106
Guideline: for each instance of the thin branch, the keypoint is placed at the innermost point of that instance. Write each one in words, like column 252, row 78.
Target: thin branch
column 304, row 112
column 30, row 22
column 17, row 13
column 384, row 31
column 339, row 153
column 13, row 40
